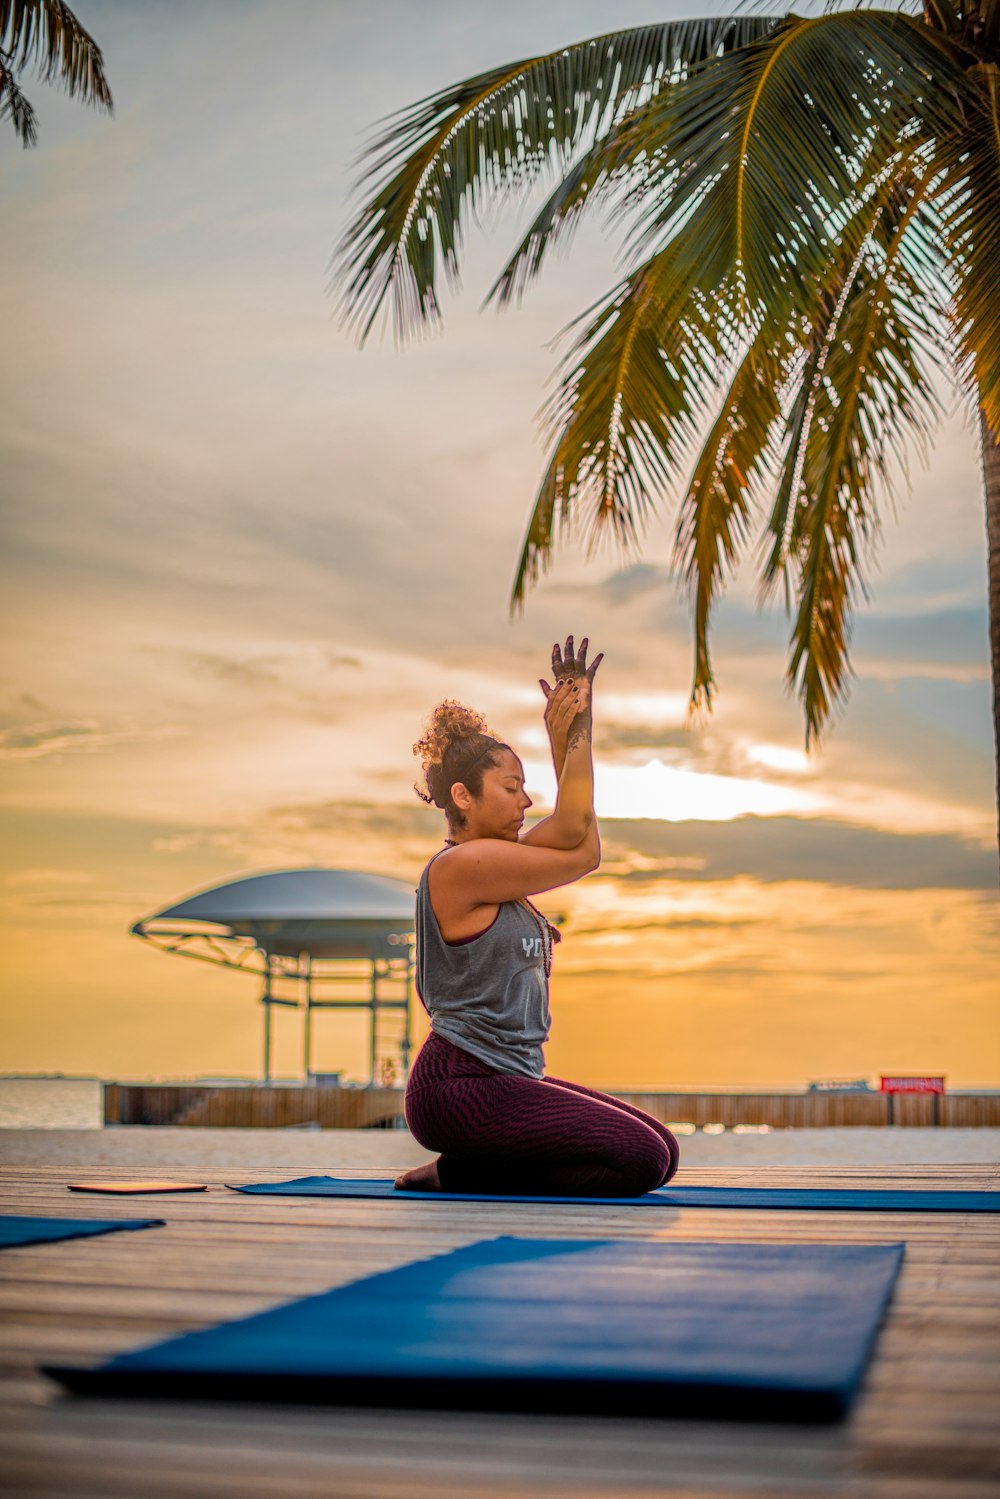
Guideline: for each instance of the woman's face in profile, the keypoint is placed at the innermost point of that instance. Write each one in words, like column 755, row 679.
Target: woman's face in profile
column 499, row 811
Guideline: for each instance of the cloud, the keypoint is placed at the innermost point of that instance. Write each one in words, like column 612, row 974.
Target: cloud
column 46, row 740
column 937, row 582
column 39, row 739
column 635, row 581
column 49, row 877
column 929, row 642
column 633, row 926
column 83, row 907
column 616, row 737
column 180, row 843
column 778, row 849
column 298, row 681
column 251, row 673
column 949, row 640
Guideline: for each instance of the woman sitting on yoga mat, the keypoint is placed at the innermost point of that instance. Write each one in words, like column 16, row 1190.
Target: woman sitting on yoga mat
column 476, row 1092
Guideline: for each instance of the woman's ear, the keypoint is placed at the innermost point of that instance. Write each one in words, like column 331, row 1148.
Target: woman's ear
column 461, row 796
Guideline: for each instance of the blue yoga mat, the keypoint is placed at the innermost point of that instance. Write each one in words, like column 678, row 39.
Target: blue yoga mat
column 773, row 1331
column 670, row 1197
column 15, row 1231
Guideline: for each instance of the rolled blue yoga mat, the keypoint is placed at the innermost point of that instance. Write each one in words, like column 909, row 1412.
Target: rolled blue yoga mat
column 16, row 1231
column 738, row 1331
column 852, row 1200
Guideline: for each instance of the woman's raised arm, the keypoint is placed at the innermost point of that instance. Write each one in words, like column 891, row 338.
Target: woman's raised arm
column 487, row 870
column 569, row 721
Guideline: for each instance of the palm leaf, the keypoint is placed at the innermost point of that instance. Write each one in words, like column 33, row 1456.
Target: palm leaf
column 440, row 157
column 48, row 34
column 989, row 17
column 740, row 450
column 631, row 390
column 15, row 107
column 869, row 216
column 714, row 515
column 971, row 212
column 873, row 398
column 803, row 387
column 799, row 392
column 778, row 134
column 943, row 15
column 582, row 186
column 615, row 159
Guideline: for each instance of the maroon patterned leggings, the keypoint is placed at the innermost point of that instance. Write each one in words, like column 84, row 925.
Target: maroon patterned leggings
column 502, row 1133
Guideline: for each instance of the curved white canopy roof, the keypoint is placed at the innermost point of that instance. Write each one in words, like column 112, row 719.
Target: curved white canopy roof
column 327, row 895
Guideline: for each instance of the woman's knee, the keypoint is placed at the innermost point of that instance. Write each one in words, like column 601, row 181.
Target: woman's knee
column 426, row 1118
column 673, row 1155
column 648, row 1164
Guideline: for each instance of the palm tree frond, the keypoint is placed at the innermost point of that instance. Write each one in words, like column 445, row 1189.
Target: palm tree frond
column 15, row 107
column 871, row 222
column 714, row 514
column 46, row 32
column 972, row 228
column 536, row 549
column 440, row 157
column 778, row 134
column 584, row 184
column 803, row 378
column 874, row 396
column 631, row 390
column 943, row 15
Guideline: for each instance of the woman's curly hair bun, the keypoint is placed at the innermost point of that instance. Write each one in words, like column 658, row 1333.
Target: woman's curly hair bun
column 455, row 746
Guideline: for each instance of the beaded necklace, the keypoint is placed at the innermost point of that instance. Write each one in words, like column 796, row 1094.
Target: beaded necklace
column 549, row 933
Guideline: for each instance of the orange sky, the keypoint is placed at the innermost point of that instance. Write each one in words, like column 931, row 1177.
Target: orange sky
column 244, row 560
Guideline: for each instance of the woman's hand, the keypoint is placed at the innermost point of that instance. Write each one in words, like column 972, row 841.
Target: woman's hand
column 572, row 667
column 568, row 705
column 563, row 706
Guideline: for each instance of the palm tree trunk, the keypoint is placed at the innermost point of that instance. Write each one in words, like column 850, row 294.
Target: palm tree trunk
column 991, row 483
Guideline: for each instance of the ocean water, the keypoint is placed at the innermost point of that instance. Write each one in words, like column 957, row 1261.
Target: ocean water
column 51, row 1103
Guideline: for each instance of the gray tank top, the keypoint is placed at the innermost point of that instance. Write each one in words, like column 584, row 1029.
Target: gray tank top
column 489, row 996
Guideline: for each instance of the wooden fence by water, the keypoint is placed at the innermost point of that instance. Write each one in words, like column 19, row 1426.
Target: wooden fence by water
column 257, row 1107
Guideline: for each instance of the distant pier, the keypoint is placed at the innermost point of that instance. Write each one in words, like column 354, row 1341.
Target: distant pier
column 277, row 1106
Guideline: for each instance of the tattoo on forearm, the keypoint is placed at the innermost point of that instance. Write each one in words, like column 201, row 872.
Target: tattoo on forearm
column 578, row 734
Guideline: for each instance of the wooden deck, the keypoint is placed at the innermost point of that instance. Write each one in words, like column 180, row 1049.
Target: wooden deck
column 925, row 1426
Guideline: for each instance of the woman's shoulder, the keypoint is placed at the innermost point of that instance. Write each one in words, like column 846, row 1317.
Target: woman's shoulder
column 450, row 866
column 435, row 874
column 431, row 861
column 447, row 873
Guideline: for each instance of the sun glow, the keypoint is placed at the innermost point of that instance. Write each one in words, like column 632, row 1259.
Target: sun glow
column 778, row 757
column 670, row 793
column 645, row 708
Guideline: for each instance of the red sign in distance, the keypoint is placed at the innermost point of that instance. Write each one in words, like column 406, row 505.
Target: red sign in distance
column 912, row 1085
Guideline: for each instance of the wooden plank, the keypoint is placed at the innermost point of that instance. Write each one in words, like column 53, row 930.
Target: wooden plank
column 499, row 1449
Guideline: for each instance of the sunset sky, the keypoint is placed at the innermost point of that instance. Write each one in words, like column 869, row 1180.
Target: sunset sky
column 243, row 560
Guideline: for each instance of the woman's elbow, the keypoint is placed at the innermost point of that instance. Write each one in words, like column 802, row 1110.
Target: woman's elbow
column 590, row 857
column 574, row 831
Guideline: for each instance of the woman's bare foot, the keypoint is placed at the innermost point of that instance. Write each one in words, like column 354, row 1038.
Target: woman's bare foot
column 420, row 1179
